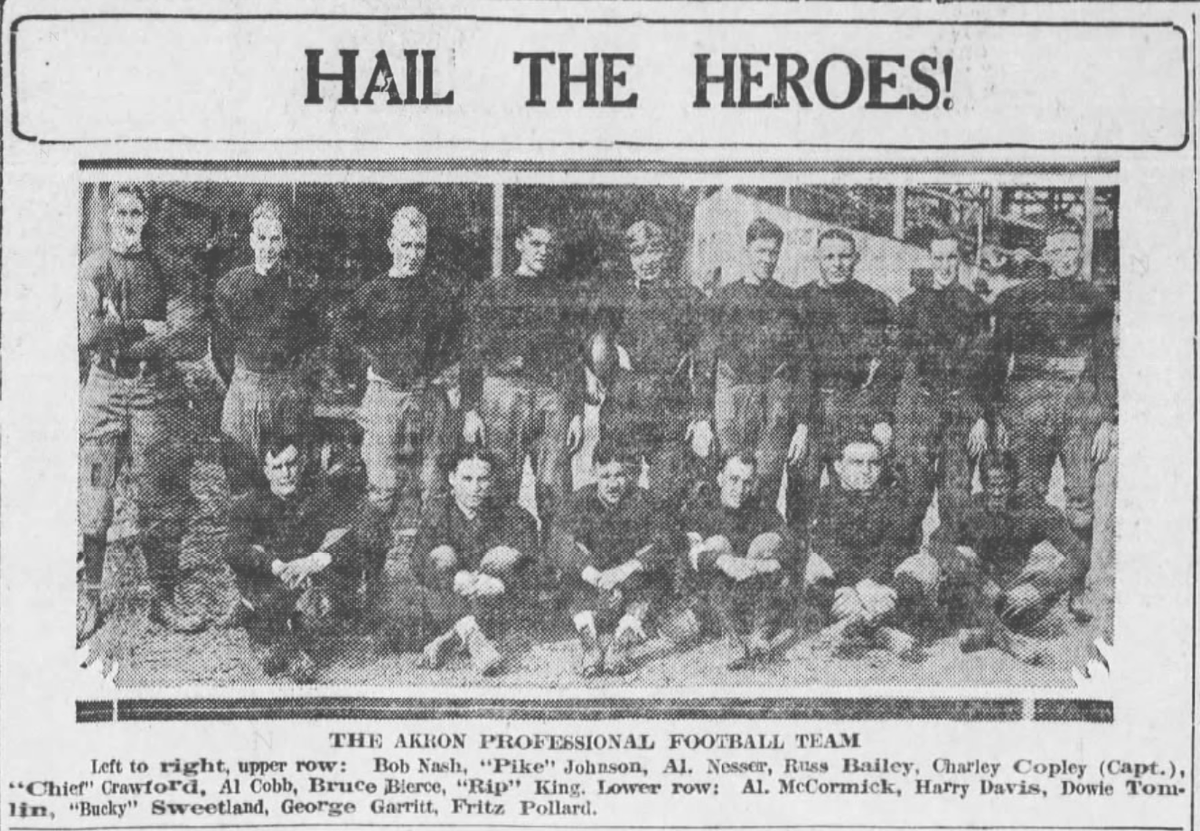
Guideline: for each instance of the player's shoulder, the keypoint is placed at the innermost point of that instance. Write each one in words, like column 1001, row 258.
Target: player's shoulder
column 234, row 279
column 872, row 295
column 96, row 261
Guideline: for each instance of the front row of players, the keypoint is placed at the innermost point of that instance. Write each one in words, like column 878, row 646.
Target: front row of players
column 622, row 569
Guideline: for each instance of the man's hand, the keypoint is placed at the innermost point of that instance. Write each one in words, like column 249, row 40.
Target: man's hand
column 736, row 568
column 1102, row 444
column 473, row 429
column 155, row 328
column 443, row 557
column 799, row 444
column 293, row 574
column 882, row 433
column 1018, row 600
column 575, row 434
column 464, row 583
column 847, row 604
column 877, row 600
column 487, row 586
column 617, row 575
column 500, row 558
column 591, row 576
column 700, row 434
column 977, row 443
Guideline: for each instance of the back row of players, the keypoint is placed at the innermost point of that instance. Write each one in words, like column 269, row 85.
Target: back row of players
column 758, row 378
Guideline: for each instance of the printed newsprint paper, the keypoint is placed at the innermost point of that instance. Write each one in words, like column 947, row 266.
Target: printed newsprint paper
column 598, row 415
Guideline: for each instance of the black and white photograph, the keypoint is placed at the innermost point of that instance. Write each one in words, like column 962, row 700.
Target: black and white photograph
column 666, row 435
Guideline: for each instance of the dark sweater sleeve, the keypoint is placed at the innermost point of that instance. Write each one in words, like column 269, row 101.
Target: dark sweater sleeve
column 184, row 338
column 225, row 327
column 241, row 552
column 707, row 352
column 1104, row 361
column 96, row 329
column 349, row 320
column 519, row 532
column 979, row 362
column 1052, row 526
column 471, row 375
column 888, row 376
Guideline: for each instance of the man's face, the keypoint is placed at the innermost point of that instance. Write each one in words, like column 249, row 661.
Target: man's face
column 126, row 219
column 997, row 490
column 837, row 259
column 764, row 256
column 407, row 244
column 612, row 482
column 471, row 483
column 283, row 471
column 535, row 247
column 648, row 260
column 944, row 254
column 1063, row 253
column 267, row 241
column 736, row 482
column 859, row 467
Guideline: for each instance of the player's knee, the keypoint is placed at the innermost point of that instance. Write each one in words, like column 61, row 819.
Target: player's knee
column 443, row 558
column 765, row 547
column 719, row 546
column 817, row 571
column 919, row 572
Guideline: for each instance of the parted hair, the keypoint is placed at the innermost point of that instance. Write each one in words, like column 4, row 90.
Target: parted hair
column 1062, row 225
column 469, row 452
column 269, row 209
column 607, row 451
column 274, row 445
column 763, row 228
column 836, row 233
column 130, row 189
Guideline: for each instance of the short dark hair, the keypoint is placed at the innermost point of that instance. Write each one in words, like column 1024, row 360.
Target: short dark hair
column 836, row 233
column 763, row 228
column 528, row 226
column 269, row 209
column 470, row 452
column 274, row 445
column 130, row 189
column 1062, row 225
column 940, row 232
column 743, row 456
column 607, row 451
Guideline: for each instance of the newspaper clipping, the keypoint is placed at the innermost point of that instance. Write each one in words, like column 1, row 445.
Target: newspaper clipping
column 598, row 415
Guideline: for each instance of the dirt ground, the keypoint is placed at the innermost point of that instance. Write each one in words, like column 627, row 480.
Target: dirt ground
column 144, row 655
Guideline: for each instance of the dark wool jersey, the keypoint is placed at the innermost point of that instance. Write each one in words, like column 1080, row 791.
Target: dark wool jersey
column 656, row 321
column 268, row 321
column 1045, row 318
column 846, row 331
column 494, row 525
column 753, row 333
column 613, row 534
column 866, row 534
column 1005, row 540
column 407, row 327
column 525, row 327
column 945, row 333
column 264, row 528
column 708, row 517
column 139, row 286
